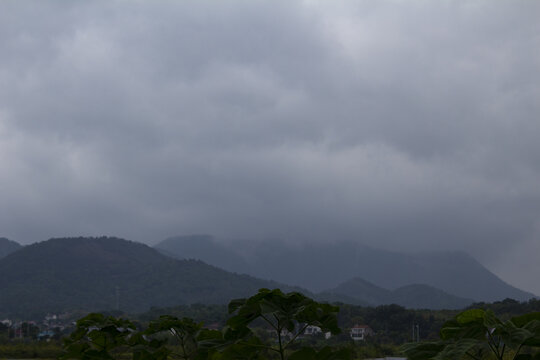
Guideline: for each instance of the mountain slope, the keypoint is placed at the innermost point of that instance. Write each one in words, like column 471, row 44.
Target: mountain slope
column 365, row 291
column 83, row 273
column 8, row 246
column 420, row 296
column 322, row 266
column 416, row 296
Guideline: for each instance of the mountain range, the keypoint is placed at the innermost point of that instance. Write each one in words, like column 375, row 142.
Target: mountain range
column 321, row 266
column 94, row 274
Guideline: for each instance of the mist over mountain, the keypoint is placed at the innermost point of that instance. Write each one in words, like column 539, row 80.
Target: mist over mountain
column 94, row 274
column 8, row 246
column 322, row 266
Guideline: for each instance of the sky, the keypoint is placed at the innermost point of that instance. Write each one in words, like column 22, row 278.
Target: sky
column 404, row 125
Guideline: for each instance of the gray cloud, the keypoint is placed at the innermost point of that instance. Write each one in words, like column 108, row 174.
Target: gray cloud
column 404, row 125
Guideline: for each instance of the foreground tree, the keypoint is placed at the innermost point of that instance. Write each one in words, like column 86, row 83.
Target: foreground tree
column 287, row 315
column 477, row 334
column 98, row 337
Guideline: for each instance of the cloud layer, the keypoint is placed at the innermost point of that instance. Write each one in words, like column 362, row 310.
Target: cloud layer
column 411, row 126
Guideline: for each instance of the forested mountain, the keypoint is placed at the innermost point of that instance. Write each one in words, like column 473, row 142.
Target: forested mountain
column 322, row 266
column 87, row 273
column 8, row 246
column 416, row 296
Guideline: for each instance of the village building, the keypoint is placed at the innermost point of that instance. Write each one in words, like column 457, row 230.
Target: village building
column 312, row 330
column 360, row 332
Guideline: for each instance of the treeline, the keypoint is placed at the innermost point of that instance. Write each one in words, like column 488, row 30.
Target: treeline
column 508, row 308
column 392, row 324
column 268, row 325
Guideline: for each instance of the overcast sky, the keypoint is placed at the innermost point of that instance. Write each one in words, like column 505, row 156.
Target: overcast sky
column 407, row 125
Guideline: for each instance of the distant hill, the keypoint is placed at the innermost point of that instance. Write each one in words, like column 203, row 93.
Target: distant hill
column 83, row 274
column 415, row 296
column 321, row 266
column 363, row 291
column 8, row 246
column 420, row 296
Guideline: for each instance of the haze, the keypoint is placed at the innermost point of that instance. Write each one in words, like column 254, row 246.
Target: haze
column 402, row 125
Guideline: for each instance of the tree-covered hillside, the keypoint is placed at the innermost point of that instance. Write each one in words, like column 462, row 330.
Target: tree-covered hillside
column 92, row 274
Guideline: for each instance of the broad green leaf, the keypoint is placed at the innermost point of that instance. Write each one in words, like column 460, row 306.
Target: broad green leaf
column 457, row 350
column 521, row 321
column 469, row 316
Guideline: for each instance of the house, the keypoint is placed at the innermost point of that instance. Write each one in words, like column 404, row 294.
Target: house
column 312, row 330
column 359, row 332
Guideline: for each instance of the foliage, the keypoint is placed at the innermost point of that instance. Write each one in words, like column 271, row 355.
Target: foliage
column 288, row 315
column 105, row 337
column 479, row 334
column 208, row 314
column 392, row 323
column 98, row 337
column 507, row 308
column 22, row 350
column 185, row 332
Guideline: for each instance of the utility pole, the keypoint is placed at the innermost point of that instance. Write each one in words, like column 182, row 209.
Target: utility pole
column 117, row 297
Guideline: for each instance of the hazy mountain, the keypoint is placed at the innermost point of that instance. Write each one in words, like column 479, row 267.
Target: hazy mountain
column 415, row 296
column 8, row 246
column 323, row 265
column 204, row 247
column 85, row 273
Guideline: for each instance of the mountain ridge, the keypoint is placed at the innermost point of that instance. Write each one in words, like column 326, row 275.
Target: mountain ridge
column 321, row 266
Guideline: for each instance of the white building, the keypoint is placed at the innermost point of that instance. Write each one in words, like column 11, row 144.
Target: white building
column 359, row 332
column 314, row 330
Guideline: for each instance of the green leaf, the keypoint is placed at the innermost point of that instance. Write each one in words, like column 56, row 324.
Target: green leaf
column 457, row 350
column 523, row 320
column 469, row 316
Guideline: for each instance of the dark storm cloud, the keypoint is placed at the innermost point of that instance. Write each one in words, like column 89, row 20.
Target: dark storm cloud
column 403, row 125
